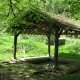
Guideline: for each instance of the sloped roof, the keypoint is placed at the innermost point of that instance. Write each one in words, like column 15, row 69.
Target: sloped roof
column 43, row 22
column 65, row 22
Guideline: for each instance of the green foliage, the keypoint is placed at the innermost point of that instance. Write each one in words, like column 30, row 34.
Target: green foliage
column 73, row 6
column 36, row 38
column 11, row 11
column 71, row 48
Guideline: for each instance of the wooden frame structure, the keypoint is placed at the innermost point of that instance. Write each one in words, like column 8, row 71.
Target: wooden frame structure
column 42, row 23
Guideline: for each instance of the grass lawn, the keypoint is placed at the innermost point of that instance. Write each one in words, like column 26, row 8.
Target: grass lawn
column 70, row 49
column 33, row 71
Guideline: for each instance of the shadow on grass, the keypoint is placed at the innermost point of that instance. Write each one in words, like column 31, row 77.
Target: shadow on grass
column 70, row 77
column 19, row 71
column 7, row 72
column 27, row 71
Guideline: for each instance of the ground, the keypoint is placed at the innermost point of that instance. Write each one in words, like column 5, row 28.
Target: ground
column 21, row 70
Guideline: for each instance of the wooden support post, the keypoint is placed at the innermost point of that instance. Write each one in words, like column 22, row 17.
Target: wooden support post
column 56, row 48
column 15, row 46
column 49, row 45
column 58, row 32
column 48, row 36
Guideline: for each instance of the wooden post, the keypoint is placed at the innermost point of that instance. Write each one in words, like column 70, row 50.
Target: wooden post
column 58, row 32
column 56, row 48
column 15, row 46
column 48, row 44
column 48, row 36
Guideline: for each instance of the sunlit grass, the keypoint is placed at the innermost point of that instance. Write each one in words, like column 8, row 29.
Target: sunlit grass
column 32, row 48
column 70, row 49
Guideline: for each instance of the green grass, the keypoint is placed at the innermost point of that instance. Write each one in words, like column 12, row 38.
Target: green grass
column 32, row 48
column 71, row 49
column 35, row 48
column 70, row 77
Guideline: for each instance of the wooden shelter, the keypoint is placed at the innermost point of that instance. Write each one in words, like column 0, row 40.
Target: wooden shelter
column 43, row 23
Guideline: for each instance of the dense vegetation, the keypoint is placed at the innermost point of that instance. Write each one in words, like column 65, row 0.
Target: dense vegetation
column 11, row 10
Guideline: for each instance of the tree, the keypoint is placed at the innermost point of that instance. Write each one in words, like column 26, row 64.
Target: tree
column 73, row 7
